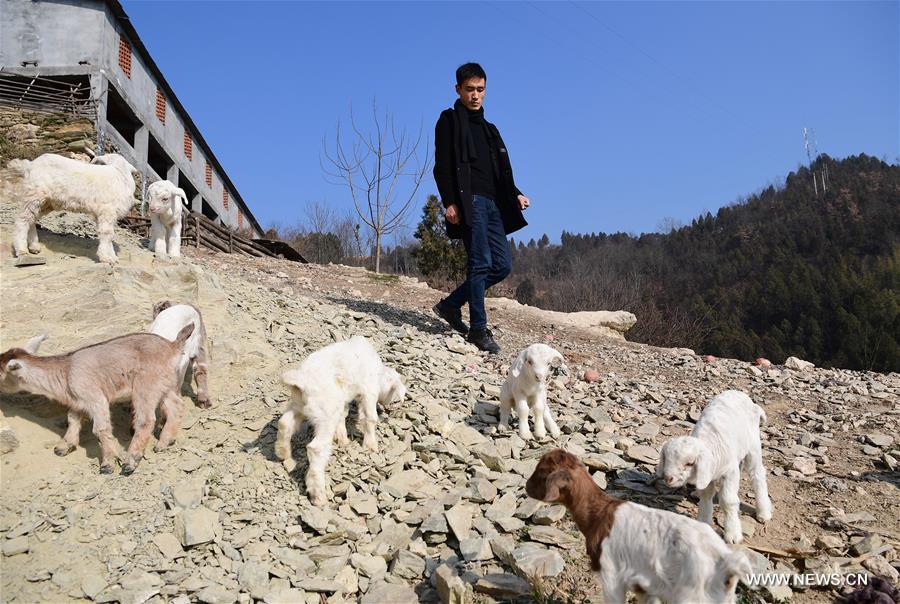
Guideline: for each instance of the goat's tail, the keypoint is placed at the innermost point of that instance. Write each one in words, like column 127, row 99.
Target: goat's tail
column 184, row 334
column 22, row 166
column 762, row 414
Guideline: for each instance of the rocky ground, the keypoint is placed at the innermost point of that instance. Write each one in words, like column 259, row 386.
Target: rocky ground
column 440, row 511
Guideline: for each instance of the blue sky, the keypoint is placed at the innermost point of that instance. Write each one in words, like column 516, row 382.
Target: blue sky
column 617, row 115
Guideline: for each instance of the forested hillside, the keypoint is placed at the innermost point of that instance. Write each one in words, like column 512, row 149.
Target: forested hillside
column 784, row 272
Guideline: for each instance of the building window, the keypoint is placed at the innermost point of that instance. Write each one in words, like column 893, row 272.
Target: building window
column 125, row 55
column 208, row 175
column 160, row 106
column 188, row 145
column 225, row 198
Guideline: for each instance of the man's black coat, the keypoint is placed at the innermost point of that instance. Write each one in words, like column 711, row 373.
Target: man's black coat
column 454, row 178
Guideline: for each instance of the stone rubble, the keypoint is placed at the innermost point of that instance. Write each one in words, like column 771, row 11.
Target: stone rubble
column 439, row 513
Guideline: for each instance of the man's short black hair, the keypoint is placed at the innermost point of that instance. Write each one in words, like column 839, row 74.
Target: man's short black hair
column 469, row 71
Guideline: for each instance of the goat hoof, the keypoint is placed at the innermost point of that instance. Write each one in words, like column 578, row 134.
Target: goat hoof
column 106, row 469
column 127, row 469
column 34, row 249
column 289, row 464
column 63, row 449
column 204, row 403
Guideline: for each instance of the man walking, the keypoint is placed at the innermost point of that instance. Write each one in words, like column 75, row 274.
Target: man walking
column 482, row 204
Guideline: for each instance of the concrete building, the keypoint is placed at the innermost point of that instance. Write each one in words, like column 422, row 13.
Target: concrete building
column 87, row 56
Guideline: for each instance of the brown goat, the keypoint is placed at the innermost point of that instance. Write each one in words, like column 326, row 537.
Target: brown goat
column 140, row 366
column 655, row 553
column 560, row 477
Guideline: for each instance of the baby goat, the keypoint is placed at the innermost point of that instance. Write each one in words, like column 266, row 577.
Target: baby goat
column 167, row 204
column 526, row 387
column 103, row 188
column 725, row 438
column 658, row 554
column 321, row 391
column 170, row 318
column 139, row 366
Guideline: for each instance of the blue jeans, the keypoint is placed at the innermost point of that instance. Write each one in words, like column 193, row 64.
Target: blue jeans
column 489, row 261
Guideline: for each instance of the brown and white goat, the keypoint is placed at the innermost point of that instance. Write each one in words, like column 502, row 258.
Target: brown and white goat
column 659, row 555
column 139, row 366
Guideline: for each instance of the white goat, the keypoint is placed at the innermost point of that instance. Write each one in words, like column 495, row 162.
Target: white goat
column 725, row 438
column 321, row 391
column 103, row 188
column 139, row 366
column 658, row 554
column 526, row 387
column 169, row 319
column 166, row 204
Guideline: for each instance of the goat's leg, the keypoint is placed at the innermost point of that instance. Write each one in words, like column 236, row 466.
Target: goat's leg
column 728, row 496
column 70, row 439
column 172, row 409
column 522, row 412
column 340, row 431
column 103, row 431
column 706, row 503
column 157, row 236
column 759, row 485
column 34, row 246
column 368, row 418
column 287, row 425
column 540, row 405
column 318, row 452
column 201, row 368
column 143, row 408
column 106, row 252
column 24, row 233
column 174, row 239
column 551, row 424
column 506, row 403
column 614, row 586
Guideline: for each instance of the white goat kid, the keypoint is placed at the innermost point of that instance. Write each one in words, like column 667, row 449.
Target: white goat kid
column 725, row 439
column 103, row 188
column 169, row 319
column 526, row 388
column 321, row 391
column 166, row 202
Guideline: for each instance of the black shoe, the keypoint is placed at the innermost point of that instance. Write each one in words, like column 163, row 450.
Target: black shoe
column 483, row 340
column 453, row 317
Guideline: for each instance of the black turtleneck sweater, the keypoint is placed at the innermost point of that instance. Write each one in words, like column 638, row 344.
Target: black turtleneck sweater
column 482, row 168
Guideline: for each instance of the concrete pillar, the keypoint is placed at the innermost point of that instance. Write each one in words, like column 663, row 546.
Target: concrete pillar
column 172, row 174
column 99, row 88
column 141, row 147
column 197, row 204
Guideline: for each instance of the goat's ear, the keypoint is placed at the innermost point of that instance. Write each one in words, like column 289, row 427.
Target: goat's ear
column 14, row 365
column 161, row 306
column 737, row 568
column 661, row 464
column 703, row 468
column 557, row 483
column 555, row 354
column 180, row 193
column 515, row 369
column 32, row 345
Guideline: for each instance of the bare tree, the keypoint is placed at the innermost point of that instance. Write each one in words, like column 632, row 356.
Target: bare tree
column 320, row 218
column 382, row 169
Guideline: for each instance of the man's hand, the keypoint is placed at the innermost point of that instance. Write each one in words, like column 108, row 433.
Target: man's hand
column 524, row 202
column 452, row 214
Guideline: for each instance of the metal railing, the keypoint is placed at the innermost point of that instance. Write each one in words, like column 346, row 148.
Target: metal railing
column 47, row 94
